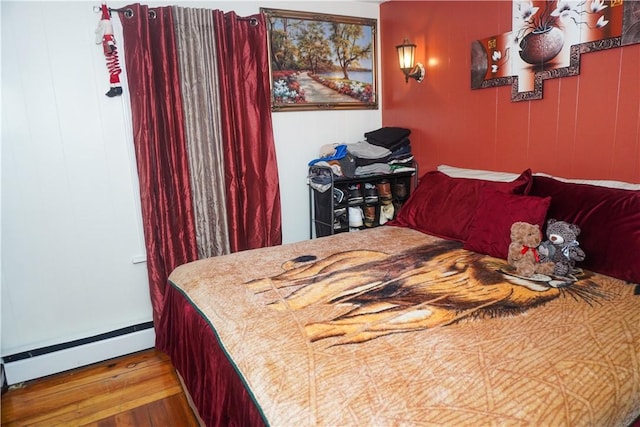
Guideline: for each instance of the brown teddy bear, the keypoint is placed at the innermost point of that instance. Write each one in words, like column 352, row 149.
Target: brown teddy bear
column 523, row 253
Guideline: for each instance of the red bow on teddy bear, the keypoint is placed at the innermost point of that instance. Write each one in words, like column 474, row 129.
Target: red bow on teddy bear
column 533, row 250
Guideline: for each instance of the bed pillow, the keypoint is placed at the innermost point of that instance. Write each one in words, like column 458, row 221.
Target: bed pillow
column 598, row 182
column 490, row 230
column 445, row 206
column 487, row 175
column 609, row 219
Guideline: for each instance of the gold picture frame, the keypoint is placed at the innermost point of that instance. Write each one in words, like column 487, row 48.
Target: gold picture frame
column 321, row 61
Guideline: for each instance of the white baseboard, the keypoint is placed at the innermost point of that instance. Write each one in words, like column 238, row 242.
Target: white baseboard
column 75, row 357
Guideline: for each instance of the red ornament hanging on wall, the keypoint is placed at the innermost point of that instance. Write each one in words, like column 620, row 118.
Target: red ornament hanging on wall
column 104, row 36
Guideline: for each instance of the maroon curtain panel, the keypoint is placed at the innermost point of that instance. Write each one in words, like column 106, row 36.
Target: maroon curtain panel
column 160, row 145
column 251, row 177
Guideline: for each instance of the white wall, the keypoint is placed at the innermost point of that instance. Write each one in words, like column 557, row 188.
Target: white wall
column 70, row 209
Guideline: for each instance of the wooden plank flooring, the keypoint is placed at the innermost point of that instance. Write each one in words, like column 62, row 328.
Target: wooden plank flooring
column 140, row 390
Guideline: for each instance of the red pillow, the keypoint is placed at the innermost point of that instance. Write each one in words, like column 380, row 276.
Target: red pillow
column 445, row 206
column 609, row 221
column 490, row 231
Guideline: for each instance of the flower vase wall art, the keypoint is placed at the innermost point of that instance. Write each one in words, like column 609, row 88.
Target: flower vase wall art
column 541, row 45
column 547, row 39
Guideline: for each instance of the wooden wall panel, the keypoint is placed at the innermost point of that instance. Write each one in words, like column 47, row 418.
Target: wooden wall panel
column 585, row 126
column 69, row 217
column 626, row 150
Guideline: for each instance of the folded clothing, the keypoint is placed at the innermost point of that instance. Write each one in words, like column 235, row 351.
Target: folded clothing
column 339, row 152
column 343, row 167
column 395, row 146
column 401, row 168
column 397, row 155
column 360, row 162
column 387, row 136
column 401, row 150
column 402, row 159
column 373, row 169
column 364, row 150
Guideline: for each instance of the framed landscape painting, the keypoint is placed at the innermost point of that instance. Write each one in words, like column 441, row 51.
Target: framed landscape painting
column 321, row 62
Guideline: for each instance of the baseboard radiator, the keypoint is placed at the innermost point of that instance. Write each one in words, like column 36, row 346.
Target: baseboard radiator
column 29, row 365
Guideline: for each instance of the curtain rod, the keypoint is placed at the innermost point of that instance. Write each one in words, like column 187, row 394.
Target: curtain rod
column 252, row 21
column 128, row 13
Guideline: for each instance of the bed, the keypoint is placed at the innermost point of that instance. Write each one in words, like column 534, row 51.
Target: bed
column 422, row 321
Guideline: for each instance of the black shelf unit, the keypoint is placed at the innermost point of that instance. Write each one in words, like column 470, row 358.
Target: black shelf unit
column 322, row 204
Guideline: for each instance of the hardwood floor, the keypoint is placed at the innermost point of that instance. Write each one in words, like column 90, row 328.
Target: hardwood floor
column 138, row 390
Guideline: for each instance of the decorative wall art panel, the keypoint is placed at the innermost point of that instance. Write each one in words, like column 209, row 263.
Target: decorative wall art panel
column 546, row 41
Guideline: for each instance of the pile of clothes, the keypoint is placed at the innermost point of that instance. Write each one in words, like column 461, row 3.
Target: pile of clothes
column 385, row 150
column 367, row 195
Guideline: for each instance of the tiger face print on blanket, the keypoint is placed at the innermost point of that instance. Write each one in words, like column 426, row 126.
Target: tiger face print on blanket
column 427, row 287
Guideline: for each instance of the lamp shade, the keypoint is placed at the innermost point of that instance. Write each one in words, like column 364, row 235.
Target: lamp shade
column 406, row 54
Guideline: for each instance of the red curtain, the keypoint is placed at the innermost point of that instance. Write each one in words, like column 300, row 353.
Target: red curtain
column 253, row 192
column 251, row 175
column 160, row 147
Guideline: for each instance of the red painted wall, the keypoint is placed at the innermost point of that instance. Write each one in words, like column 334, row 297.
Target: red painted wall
column 586, row 126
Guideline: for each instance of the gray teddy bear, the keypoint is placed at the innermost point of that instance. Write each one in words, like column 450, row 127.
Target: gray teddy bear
column 561, row 247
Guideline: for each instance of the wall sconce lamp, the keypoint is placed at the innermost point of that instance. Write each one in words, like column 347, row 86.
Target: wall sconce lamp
column 406, row 55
